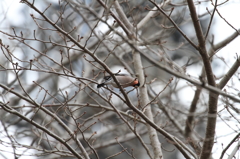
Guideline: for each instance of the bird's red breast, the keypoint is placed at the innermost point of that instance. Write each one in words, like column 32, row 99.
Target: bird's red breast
column 135, row 82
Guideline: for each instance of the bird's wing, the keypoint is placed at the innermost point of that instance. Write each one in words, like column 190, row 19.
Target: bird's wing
column 107, row 78
column 125, row 81
column 122, row 74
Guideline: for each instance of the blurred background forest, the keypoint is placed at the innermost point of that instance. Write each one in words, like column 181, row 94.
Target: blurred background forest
column 54, row 53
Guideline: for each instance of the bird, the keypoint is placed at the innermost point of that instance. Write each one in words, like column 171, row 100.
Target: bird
column 124, row 80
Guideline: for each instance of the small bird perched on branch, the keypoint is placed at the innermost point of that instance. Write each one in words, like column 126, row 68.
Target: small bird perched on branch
column 123, row 79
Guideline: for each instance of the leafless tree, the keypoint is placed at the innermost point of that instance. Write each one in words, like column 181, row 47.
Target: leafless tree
column 52, row 62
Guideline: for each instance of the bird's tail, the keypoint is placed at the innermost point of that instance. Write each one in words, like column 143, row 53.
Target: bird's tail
column 100, row 85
